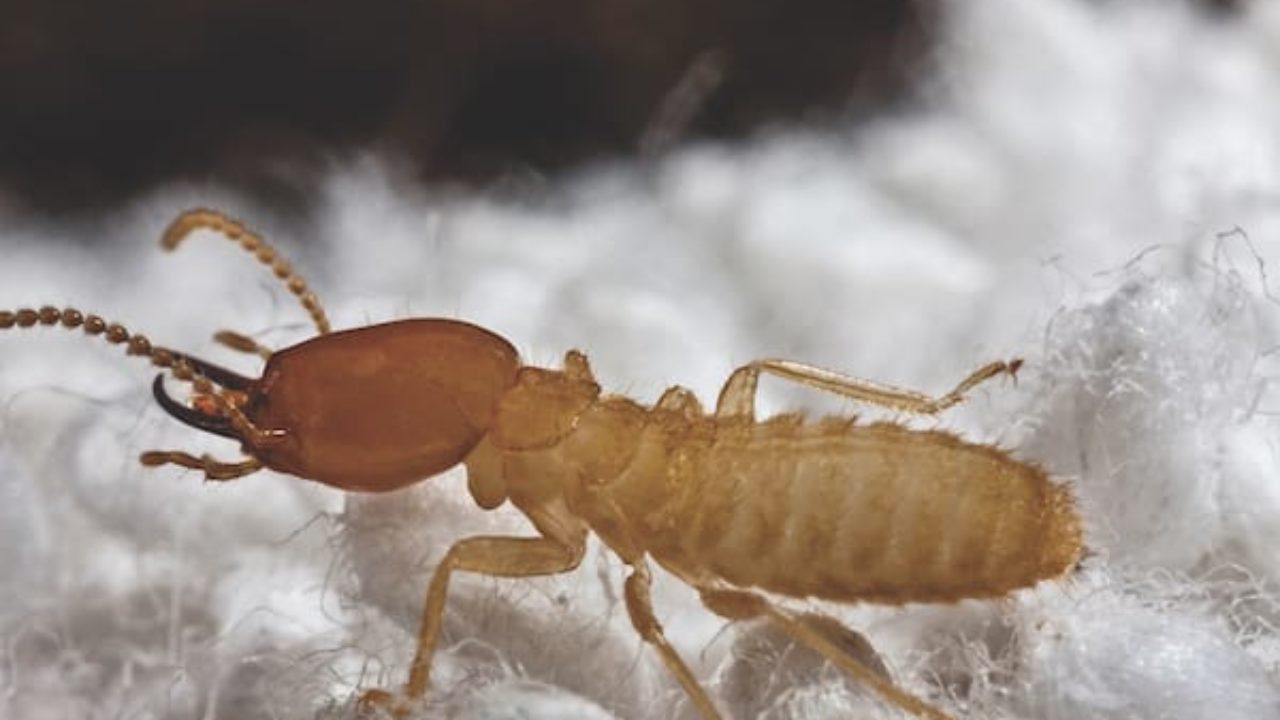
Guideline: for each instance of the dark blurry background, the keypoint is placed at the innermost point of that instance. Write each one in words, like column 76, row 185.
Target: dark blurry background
column 102, row 101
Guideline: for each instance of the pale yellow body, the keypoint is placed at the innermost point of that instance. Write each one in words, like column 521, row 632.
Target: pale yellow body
column 828, row 509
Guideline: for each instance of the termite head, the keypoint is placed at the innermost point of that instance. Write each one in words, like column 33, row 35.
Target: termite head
column 371, row 409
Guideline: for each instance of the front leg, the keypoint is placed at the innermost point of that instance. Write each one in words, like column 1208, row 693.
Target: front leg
column 486, row 555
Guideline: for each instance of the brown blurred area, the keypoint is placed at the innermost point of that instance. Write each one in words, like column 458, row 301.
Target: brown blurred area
column 101, row 102
column 105, row 101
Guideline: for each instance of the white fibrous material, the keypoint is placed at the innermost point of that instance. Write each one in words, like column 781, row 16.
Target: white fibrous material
column 1112, row 655
column 527, row 701
column 1137, row 396
column 1088, row 186
column 1149, row 403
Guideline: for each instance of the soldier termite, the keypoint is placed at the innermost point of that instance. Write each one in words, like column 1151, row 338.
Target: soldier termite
column 827, row 509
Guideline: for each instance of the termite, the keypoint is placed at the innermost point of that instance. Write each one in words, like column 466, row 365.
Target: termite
column 733, row 506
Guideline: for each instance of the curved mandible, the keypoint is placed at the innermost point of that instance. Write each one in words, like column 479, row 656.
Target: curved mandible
column 236, row 231
column 215, row 424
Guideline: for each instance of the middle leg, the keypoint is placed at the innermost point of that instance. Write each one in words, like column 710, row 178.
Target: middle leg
column 640, row 608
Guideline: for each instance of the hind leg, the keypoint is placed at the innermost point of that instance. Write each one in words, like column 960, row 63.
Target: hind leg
column 824, row 638
column 738, row 396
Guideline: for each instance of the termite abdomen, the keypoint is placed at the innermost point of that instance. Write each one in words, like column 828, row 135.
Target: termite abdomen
column 875, row 513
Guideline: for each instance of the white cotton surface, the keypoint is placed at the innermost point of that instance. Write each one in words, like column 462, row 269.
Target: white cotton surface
column 1140, row 393
column 1092, row 186
column 1109, row 654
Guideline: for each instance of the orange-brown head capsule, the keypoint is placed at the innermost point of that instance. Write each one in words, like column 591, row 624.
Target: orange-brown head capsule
column 377, row 408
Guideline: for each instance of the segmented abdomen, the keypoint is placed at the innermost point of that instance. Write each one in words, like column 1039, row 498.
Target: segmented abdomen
column 877, row 513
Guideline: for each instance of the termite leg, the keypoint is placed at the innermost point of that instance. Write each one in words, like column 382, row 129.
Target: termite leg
column 484, row 555
column 213, row 469
column 743, row 605
column 738, row 396
column 852, row 643
column 242, row 343
column 681, row 400
column 640, row 608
